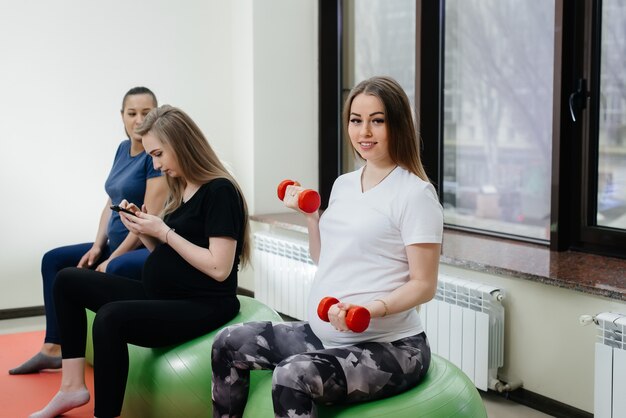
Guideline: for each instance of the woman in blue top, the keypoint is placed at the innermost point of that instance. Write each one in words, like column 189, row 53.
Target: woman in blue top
column 114, row 250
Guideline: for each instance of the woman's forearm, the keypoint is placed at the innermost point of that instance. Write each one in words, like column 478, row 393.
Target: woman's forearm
column 215, row 261
column 315, row 242
column 423, row 260
column 101, row 234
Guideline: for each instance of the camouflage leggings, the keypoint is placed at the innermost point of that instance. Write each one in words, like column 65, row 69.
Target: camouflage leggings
column 305, row 372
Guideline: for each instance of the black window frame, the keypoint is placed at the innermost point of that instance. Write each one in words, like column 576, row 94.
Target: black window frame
column 589, row 236
column 574, row 143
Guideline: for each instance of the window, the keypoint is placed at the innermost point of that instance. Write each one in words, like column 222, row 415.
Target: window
column 598, row 105
column 380, row 40
column 497, row 116
column 521, row 105
column 611, row 113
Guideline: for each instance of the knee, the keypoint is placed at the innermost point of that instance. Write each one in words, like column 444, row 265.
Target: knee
column 220, row 339
column 221, row 345
column 49, row 257
column 107, row 314
column 51, row 260
column 233, row 343
column 64, row 279
column 295, row 372
column 128, row 265
column 116, row 266
column 108, row 319
column 295, row 386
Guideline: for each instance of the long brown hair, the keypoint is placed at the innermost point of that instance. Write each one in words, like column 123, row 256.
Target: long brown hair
column 197, row 160
column 404, row 143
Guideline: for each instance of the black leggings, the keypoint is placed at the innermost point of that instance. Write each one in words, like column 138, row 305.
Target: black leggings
column 125, row 314
column 305, row 372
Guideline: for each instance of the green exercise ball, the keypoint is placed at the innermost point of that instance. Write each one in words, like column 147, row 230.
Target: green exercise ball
column 89, row 346
column 176, row 381
column 445, row 392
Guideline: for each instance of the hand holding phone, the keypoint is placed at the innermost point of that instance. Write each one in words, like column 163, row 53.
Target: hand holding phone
column 118, row 208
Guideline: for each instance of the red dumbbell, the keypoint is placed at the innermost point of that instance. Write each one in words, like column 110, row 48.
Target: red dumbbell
column 308, row 200
column 357, row 317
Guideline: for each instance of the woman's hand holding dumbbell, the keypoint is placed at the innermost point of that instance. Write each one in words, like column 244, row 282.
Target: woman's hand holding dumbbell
column 294, row 196
column 346, row 317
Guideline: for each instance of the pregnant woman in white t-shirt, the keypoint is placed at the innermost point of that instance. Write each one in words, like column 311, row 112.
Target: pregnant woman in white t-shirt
column 377, row 247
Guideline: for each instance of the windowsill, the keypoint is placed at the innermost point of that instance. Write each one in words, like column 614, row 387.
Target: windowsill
column 587, row 273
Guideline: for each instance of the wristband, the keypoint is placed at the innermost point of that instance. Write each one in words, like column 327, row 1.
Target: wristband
column 168, row 231
column 385, row 305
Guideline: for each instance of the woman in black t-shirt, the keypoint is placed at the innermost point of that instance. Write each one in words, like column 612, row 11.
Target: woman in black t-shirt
column 189, row 280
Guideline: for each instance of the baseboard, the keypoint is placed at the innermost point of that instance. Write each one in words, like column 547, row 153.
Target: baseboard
column 543, row 404
column 21, row 312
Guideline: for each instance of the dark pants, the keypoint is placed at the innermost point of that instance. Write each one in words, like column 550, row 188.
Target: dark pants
column 125, row 314
column 127, row 265
column 305, row 373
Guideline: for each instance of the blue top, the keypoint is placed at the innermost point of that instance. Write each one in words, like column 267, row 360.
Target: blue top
column 127, row 180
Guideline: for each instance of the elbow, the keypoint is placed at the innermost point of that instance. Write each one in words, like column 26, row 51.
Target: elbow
column 219, row 273
column 430, row 291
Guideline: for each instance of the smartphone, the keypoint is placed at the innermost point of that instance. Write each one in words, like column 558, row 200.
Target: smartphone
column 117, row 208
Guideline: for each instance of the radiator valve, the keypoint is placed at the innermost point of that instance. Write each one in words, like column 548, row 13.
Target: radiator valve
column 498, row 295
column 501, row 387
column 586, row 319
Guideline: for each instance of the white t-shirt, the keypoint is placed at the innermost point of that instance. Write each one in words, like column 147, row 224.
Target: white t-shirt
column 363, row 255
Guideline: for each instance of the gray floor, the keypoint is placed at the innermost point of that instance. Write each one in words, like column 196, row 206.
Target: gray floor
column 497, row 407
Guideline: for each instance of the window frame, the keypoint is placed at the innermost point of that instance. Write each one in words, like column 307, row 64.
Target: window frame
column 330, row 101
column 574, row 143
column 590, row 236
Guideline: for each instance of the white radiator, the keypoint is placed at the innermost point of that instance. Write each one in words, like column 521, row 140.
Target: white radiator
column 610, row 366
column 283, row 273
column 465, row 324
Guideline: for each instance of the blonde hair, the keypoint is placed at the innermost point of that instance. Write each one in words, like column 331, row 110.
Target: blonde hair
column 404, row 143
column 197, row 160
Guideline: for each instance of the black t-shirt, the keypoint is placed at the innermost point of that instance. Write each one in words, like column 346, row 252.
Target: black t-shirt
column 215, row 210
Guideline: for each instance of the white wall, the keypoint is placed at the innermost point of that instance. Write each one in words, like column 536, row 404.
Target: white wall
column 275, row 100
column 285, row 98
column 65, row 67
column 274, row 97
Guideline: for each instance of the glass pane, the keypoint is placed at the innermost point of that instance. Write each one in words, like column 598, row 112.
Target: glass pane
column 498, row 115
column 612, row 118
column 382, row 43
